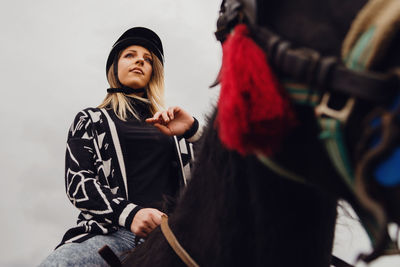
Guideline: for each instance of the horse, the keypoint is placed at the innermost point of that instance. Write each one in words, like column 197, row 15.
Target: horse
column 264, row 204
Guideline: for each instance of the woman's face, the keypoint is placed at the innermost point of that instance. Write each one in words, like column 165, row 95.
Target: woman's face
column 135, row 66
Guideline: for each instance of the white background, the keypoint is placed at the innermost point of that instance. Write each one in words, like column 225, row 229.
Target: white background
column 52, row 64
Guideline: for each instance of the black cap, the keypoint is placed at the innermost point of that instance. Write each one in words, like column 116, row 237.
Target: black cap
column 137, row 36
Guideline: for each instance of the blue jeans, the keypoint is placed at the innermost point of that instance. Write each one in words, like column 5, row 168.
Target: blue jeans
column 86, row 253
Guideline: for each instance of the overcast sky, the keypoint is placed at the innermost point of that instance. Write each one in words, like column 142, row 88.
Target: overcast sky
column 52, row 65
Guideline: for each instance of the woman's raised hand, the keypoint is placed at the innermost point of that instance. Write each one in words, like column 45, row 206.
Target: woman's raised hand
column 174, row 121
column 145, row 221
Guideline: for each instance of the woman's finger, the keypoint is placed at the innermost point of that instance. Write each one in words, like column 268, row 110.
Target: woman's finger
column 156, row 118
column 146, row 227
column 163, row 129
column 156, row 219
column 157, row 115
column 142, row 233
column 165, row 117
column 150, row 223
column 171, row 112
column 142, row 230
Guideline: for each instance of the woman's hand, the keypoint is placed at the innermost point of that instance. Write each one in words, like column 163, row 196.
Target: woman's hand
column 174, row 121
column 145, row 221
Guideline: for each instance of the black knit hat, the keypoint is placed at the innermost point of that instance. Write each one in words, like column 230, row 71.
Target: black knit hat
column 137, row 36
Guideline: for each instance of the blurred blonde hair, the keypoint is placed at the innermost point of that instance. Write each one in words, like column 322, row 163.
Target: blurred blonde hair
column 120, row 103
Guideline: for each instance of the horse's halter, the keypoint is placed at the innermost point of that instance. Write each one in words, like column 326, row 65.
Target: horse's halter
column 313, row 80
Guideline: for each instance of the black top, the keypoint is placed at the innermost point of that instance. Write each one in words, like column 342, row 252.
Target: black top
column 148, row 156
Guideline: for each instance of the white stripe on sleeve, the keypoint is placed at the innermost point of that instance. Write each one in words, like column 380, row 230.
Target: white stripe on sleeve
column 125, row 214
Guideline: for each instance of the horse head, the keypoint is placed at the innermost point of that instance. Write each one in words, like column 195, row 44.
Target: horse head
column 345, row 96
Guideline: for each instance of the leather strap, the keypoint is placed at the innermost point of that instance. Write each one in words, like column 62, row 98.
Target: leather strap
column 109, row 256
column 307, row 65
column 174, row 243
column 326, row 73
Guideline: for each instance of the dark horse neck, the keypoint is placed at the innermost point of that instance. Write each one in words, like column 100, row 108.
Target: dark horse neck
column 235, row 211
column 248, row 216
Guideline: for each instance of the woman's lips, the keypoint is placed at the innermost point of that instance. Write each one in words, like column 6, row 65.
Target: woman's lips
column 137, row 70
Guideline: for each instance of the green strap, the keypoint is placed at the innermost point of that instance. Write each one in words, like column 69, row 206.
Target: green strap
column 275, row 167
column 356, row 59
column 331, row 134
column 301, row 93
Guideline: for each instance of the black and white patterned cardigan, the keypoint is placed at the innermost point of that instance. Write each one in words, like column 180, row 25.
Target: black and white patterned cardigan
column 95, row 176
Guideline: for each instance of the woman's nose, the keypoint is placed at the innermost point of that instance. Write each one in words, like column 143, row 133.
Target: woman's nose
column 140, row 60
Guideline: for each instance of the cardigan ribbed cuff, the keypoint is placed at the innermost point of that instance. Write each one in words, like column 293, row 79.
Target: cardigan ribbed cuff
column 129, row 219
column 193, row 129
column 126, row 217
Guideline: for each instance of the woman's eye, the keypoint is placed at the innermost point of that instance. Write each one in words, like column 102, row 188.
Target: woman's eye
column 149, row 60
column 128, row 55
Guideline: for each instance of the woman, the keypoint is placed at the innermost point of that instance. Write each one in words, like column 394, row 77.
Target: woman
column 124, row 157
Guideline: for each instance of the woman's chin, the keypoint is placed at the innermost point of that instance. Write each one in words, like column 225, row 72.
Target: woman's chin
column 135, row 85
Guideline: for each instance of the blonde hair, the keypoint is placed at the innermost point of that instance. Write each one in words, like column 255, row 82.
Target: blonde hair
column 120, row 103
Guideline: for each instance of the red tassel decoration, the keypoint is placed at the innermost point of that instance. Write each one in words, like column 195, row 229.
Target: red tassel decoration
column 252, row 114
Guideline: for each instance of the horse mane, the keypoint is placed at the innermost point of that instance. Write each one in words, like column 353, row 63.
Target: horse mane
column 235, row 206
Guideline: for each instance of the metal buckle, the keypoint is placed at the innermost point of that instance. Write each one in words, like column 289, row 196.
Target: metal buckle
column 341, row 115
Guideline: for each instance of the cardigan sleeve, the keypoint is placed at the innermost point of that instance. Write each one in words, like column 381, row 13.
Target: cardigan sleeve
column 96, row 199
column 194, row 133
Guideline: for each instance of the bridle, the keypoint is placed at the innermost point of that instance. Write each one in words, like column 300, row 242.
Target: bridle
column 312, row 80
column 306, row 65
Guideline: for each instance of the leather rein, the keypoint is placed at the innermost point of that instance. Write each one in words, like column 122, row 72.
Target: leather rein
column 109, row 256
column 190, row 262
column 175, row 245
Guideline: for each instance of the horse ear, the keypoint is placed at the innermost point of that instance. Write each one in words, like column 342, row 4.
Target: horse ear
column 253, row 114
